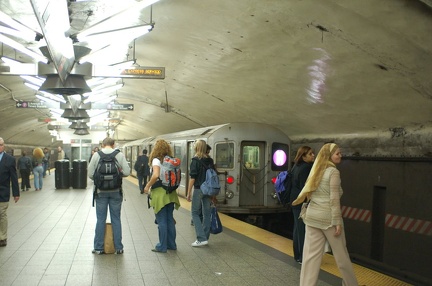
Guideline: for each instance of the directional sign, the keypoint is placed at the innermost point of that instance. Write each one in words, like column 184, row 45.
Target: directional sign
column 112, row 106
column 138, row 72
column 129, row 107
column 30, row 104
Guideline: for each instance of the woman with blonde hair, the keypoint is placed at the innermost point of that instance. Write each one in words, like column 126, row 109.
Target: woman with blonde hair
column 162, row 202
column 323, row 218
column 201, row 204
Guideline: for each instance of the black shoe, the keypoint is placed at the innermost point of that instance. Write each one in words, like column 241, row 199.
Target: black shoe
column 156, row 250
column 3, row 242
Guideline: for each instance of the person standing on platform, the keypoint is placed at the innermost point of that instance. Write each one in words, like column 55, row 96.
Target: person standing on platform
column 143, row 170
column 323, row 218
column 300, row 172
column 112, row 198
column 201, row 204
column 61, row 153
column 162, row 202
column 25, row 166
column 8, row 178
column 46, row 161
column 38, row 168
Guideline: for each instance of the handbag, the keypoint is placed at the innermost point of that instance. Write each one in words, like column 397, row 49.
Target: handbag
column 215, row 223
column 304, row 209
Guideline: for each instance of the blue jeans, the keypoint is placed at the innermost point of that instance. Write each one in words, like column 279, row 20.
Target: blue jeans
column 201, row 206
column 166, row 228
column 38, row 177
column 299, row 230
column 113, row 200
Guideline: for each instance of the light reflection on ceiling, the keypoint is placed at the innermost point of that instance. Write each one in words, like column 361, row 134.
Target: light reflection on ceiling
column 318, row 72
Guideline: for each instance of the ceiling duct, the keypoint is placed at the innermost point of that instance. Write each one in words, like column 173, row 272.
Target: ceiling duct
column 78, row 125
column 77, row 115
column 74, row 84
column 81, row 132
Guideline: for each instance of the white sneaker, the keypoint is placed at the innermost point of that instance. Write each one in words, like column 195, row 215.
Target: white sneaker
column 199, row 243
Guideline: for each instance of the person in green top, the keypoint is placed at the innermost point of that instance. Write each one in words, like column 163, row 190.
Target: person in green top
column 162, row 203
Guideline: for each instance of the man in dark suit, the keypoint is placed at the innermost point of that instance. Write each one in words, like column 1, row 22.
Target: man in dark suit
column 8, row 177
column 143, row 170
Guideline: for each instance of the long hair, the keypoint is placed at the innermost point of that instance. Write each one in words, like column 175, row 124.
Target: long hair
column 200, row 149
column 160, row 150
column 302, row 151
column 322, row 161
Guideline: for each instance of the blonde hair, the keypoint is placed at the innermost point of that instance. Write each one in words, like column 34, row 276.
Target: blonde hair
column 322, row 162
column 200, row 149
column 38, row 153
column 160, row 150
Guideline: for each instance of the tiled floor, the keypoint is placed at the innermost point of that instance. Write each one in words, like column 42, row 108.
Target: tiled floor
column 51, row 237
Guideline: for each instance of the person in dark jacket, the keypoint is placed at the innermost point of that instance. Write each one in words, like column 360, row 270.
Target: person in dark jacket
column 8, row 178
column 201, row 204
column 143, row 170
column 300, row 172
column 25, row 166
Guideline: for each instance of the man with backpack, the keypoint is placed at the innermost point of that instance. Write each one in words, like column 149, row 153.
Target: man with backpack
column 106, row 169
column 143, row 170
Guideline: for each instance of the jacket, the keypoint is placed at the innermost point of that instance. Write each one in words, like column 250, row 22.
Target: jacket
column 8, row 178
column 198, row 169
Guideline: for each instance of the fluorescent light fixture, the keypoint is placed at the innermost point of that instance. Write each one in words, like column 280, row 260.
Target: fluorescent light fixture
column 48, row 100
column 22, row 49
column 105, row 23
column 107, row 99
column 32, row 86
column 119, row 35
column 10, row 61
column 14, row 24
column 25, row 35
column 56, row 97
column 34, row 80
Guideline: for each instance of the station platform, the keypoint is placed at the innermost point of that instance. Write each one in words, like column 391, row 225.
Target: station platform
column 50, row 239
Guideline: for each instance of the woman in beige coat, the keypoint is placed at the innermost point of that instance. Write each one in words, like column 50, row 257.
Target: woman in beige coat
column 323, row 218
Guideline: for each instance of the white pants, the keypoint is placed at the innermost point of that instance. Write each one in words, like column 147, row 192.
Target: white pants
column 313, row 251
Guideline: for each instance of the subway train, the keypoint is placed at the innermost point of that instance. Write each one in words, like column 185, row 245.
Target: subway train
column 248, row 157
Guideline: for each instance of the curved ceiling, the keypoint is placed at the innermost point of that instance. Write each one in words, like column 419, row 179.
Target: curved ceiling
column 308, row 67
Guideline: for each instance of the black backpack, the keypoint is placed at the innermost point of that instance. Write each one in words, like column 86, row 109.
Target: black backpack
column 107, row 175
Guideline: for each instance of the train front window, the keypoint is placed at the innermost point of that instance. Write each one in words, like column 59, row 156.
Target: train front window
column 251, row 155
column 225, row 155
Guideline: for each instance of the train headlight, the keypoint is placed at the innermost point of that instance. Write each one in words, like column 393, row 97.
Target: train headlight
column 229, row 194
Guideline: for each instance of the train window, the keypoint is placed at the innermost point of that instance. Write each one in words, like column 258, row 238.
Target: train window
column 225, row 155
column 251, row 157
column 279, row 158
column 177, row 151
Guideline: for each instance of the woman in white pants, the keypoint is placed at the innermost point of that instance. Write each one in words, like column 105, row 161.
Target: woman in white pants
column 323, row 218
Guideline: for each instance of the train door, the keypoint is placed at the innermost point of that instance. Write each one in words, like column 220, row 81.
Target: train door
column 134, row 157
column 252, row 173
column 189, row 155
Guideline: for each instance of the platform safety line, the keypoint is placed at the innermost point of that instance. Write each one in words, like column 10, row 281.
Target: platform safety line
column 418, row 226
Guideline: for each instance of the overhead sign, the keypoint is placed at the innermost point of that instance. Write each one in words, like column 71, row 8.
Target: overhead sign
column 130, row 72
column 30, row 104
column 144, row 72
column 111, row 106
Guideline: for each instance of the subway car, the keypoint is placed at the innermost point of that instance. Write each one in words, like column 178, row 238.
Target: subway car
column 248, row 157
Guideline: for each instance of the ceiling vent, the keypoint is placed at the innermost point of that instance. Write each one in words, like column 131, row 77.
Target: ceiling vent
column 81, row 132
column 74, row 84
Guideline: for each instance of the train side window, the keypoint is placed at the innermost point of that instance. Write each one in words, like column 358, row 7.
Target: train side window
column 279, row 159
column 251, row 155
column 177, row 151
column 225, row 155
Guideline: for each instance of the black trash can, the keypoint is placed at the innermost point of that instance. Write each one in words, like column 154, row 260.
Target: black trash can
column 79, row 174
column 62, row 174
